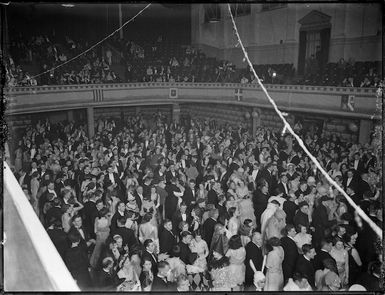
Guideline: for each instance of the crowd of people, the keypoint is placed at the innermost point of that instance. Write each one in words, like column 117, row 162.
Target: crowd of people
column 155, row 205
column 158, row 61
column 46, row 53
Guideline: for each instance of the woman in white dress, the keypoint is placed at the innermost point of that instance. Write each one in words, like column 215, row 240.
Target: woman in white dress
column 236, row 255
column 274, row 274
column 102, row 231
column 234, row 223
column 341, row 256
column 148, row 231
column 302, row 237
column 199, row 246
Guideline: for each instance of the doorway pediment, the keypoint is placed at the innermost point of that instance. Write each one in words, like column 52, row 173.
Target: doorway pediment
column 315, row 20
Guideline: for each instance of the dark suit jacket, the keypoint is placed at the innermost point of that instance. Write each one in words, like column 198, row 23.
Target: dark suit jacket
column 167, row 241
column 185, row 253
column 104, row 281
column 176, row 219
column 154, row 262
column 320, row 222
column 306, row 267
column 254, row 253
column 171, row 200
column 188, row 197
column 76, row 260
column 159, row 285
column 208, row 230
column 280, row 185
column 54, row 212
column 290, row 208
column 301, row 218
column 114, row 219
column 89, row 215
column 83, row 241
column 260, row 204
column 59, row 239
column 290, row 259
column 212, row 197
column 128, row 236
column 321, row 256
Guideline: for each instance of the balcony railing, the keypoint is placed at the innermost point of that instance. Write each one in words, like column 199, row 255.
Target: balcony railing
column 302, row 98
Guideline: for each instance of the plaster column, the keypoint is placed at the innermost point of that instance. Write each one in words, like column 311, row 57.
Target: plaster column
column 176, row 113
column 365, row 130
column 70, row 115
column 90, row 122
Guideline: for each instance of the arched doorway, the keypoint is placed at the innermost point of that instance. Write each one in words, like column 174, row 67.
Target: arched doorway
column 314, row 39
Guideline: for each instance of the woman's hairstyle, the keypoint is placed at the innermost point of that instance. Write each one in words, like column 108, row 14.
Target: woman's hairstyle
column 232, row 211
column 65, row 207
column 103, row 212
column 348, row 236
column 274, row 242
column 181, row 225
column 235, row 242
column 146, row 218
column 118, row 204
column 336, row 240
column 198, row 232
column 299, row 227
column 144, row 259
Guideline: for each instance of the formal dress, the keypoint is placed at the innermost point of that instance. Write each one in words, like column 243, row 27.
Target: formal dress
column 102, row 232
column 274, row 274
column 237, row 266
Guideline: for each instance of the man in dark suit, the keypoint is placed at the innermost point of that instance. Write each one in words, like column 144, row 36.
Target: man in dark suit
column 291, row 252
column 212, row 195
column 284, row 185
column 304, row 264
column 185, row 253
column 322, row 254
column 321, row 221
column 302, row 217
column 171, row 201
column 148, row 253
column 290, row 208
column 350, row 180
column 171, row 173
column 260, row 200
column 209, row 225
column 127, row 234
column 167, row 239
column 76, row 260
column 267, row 175
column 89, row 214
column 58, row 236
column 363, row 185
column 161, row 280
column 357, row 164
column 54, row 212
column 253, row 253
column 104, row 279
column 86, row 242
column 179, row 216
column 189, row 194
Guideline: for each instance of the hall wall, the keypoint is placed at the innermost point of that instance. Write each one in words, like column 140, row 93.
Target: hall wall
column 272, row 37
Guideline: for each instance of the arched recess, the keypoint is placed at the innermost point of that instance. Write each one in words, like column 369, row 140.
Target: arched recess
column 314, row 31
